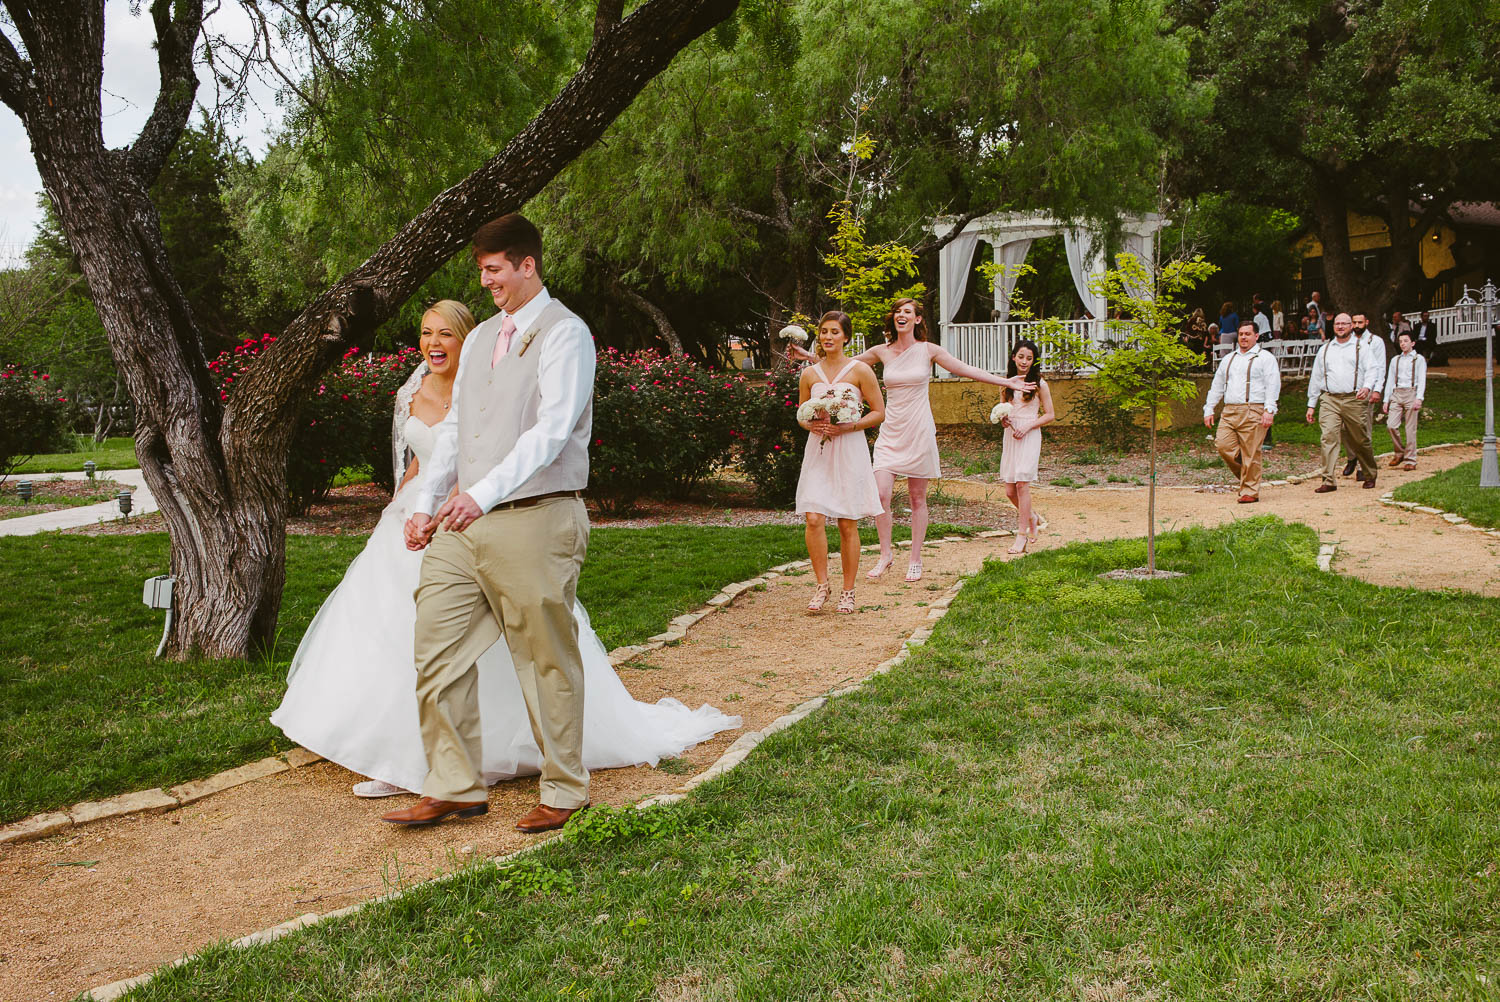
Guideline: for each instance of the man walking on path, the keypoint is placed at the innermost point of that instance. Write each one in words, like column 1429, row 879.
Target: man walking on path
column 1375, row 384
column 1340, row 379
column 1248, row 380
column 1405, row 386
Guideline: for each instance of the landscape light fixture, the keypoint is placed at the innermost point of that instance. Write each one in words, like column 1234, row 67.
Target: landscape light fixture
column 1472, row 313
column 124, row 500
column 158, row 595
column 23, row 491
column 88, row 469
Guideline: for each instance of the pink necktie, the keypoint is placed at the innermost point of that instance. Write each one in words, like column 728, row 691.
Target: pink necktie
column 502, row 343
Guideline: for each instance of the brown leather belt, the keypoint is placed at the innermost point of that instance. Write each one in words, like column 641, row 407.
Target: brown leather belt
column 537, row 499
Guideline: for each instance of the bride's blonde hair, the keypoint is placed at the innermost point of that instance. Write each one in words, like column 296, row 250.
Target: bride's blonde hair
column 455, row 315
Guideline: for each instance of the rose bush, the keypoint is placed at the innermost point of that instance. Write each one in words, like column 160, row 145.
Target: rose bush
column 33, row 416
column 661, row 425
column 771, row 450
column 345, row 425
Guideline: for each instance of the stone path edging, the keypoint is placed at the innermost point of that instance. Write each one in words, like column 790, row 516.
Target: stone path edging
column 1452, row 518
column 732, row 756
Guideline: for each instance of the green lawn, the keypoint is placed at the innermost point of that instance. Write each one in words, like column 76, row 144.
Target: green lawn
column 111, row 454
column 1077, row 790
column 1453, row 411
column 85, row 711
column 1456, row 490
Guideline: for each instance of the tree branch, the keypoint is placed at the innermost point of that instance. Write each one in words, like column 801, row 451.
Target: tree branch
column 15, row 74
column 606, row 17
column 938, row 243
column 759, row 217
column 174, row 102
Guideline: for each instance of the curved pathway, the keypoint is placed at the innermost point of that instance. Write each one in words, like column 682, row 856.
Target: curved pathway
column 158, row 886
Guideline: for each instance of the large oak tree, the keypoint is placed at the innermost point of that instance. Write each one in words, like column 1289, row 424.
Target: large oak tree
column 218, row 470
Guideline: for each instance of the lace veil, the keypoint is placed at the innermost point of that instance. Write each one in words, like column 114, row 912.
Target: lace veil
column 399, row 450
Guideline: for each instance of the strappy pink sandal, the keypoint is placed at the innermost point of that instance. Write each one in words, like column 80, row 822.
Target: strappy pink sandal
column 820, row 596
column 846, row 600
column 914, row 571
column 881, row 566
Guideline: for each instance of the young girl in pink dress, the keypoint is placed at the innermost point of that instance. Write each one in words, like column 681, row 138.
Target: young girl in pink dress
column 837, row 480
column 1022, row 448
column 907, row 446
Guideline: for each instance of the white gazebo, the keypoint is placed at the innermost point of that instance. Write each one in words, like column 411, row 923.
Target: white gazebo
column 1010, row 235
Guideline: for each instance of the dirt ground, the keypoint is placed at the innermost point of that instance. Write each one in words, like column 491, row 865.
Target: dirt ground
column 158, row 886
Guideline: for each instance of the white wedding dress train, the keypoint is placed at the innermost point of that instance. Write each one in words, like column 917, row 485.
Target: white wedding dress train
column 351, row 689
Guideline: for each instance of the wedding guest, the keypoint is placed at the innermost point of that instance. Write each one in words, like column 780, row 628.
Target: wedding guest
column 907, row 445
column 351, row 693
column 1316, row 325
column 1229, row 322
column 1405, row 387
column 1249, row 383
column 1426, row 331
column 1209, row 340
column 1278, row 319
column 837, row 479
column 1261, row 314
column 1340, row 381
column 1021, row 451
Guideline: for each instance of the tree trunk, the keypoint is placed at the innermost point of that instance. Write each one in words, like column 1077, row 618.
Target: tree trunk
column 218, row 470
column 653, row 313
column 1151, row 494
column 1351, row 288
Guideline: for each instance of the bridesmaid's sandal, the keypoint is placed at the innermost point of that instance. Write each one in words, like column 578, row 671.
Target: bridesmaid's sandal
column 846, row 600
column 1020, row 546
column 372, row 789
column 881, row 566
column 914, row 571
column 820, row 596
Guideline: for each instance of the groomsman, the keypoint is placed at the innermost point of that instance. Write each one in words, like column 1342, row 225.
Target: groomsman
column 1376, row 346
column 1248, row 380
column 1405, row 387
column 1341, row 381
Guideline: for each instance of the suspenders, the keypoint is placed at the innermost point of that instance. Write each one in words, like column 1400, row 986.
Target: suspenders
column 1324, row 353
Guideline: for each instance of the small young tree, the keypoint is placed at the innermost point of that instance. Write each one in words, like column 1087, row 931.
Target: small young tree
column 1141, row 366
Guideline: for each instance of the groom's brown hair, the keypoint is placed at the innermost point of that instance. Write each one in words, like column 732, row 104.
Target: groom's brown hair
column 514, row 235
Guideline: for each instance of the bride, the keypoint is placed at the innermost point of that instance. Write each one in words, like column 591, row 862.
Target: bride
column 350, row 692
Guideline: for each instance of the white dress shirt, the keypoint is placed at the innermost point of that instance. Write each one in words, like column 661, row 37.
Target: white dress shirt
column 1334, row 370
column 565, row 372
column 1374, row 381
column 1241, row 370
column 1407, row 369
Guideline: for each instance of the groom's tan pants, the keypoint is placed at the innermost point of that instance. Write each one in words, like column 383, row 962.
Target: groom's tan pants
column 511, row 573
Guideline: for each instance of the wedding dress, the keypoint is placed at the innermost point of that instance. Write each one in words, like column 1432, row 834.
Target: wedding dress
column 350, row 692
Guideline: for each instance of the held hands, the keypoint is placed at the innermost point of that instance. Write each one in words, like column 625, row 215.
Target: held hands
column 418, row 530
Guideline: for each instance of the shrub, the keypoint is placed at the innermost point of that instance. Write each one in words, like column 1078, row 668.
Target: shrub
column 33, row 417
column 661, row 425
column 771, row 452
column 1109, row 426
column 345, row 424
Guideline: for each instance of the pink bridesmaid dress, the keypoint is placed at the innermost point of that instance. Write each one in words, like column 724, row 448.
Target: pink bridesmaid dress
column 1019, row 457
column 837, row 479
column 907, row 445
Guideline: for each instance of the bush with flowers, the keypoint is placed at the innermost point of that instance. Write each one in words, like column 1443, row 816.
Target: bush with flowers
column 771, row 453
column 662, row 424
column 33, row 416
column 345, row 424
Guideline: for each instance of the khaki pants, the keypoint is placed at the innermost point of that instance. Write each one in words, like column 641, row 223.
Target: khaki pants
column 1342, row 419
column 1238, row 441
column 1404, row 411
column 514, row 573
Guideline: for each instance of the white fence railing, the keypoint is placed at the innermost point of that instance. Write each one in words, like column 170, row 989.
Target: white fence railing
column 988, row 346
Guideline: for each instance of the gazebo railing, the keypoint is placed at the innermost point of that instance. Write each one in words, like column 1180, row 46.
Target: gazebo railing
column 988, row 346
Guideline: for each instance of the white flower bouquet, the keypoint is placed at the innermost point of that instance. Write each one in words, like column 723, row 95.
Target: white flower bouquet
column 840, row 404
column 1000, row 412
column 792, row 332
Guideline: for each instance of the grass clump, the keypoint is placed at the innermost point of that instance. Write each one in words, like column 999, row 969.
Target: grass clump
column 1456, row 490
column 110, row 454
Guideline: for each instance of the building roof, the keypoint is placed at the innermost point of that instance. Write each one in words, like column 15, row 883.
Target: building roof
column 1474, row 214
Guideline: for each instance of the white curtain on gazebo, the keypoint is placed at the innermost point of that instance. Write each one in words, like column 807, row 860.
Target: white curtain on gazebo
column 1143, row 247
column 1009, row 257
column 1085, row 260
column 954, row 261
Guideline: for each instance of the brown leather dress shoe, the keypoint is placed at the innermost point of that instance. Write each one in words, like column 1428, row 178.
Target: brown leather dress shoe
column 1395, row 462
column 1324, row 489
column 1249, row 499
column 429, row 812
column 1368, row 484
column 542, row 818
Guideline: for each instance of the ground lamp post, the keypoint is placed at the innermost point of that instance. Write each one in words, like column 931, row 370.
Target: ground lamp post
column 124, row 499
column 23, row 491
column 1471, row 314
column 88, row 469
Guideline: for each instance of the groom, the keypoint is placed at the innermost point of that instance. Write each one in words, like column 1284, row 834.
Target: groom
column 512, row 540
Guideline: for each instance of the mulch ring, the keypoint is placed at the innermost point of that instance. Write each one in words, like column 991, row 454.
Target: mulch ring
column 52, row 495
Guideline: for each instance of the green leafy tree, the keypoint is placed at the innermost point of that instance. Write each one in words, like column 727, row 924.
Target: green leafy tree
column 1322, row 107
column 1142, row 366
column 865, row 272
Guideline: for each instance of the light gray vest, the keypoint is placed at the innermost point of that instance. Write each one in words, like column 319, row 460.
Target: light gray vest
column 496, row 405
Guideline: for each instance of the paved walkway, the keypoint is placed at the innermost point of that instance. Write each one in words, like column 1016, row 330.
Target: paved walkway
column 142, row 503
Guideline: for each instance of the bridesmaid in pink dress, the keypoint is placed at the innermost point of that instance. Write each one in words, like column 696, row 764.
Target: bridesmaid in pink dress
column 837, row 480
column 907, row 446
column 1022, row 449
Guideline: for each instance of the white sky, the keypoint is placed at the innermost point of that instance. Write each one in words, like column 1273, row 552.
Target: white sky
column 130, row 86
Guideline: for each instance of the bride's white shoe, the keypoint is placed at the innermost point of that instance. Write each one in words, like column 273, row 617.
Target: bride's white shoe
column 373, row 789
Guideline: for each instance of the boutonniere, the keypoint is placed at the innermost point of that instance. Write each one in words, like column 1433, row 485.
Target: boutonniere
column 526, row 340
